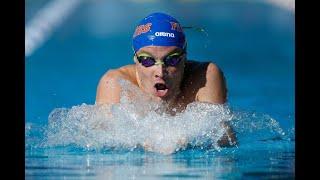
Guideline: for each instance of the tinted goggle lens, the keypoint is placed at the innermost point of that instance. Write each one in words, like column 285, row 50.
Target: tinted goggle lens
column 172, row 60
column 148, row 61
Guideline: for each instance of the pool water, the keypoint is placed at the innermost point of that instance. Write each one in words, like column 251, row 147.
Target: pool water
column 253, row 43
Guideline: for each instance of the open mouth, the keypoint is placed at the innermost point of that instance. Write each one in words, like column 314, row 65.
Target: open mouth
column 160, row 86
column 161, row 89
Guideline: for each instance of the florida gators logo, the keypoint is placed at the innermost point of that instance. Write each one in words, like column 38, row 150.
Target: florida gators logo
column 176, row 26
column 142, row 29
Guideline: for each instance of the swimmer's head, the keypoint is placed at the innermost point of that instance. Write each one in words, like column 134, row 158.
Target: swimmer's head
column 159, row 46
column 158, row 29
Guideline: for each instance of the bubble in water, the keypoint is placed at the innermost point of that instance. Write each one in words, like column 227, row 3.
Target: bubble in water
column 144, row 123
column 257, row 126
column 131, row 124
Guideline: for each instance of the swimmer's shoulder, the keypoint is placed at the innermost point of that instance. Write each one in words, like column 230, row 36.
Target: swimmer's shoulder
column 127, row 72
column 193, row 66
column 209, row 79
column 199, row 74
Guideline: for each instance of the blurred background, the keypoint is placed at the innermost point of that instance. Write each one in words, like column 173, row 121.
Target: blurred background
column 71, row 44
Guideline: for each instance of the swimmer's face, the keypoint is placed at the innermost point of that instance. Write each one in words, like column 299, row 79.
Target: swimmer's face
column 160, row 80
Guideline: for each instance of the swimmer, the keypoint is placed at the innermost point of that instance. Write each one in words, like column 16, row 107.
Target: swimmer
column 161, row 69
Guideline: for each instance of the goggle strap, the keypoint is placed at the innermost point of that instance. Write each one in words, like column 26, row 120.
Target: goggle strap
column 174, row 54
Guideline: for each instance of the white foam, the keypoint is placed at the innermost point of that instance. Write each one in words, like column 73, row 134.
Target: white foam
column 133, row 124
column 136, row 123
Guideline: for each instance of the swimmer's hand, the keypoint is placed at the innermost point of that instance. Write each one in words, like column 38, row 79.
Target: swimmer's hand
column 229, row 138
column 166, row 150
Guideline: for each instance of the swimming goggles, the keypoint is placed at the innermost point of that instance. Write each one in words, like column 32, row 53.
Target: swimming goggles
column 171, row 60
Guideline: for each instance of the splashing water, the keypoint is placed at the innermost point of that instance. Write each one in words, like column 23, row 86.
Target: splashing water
column 135, row 124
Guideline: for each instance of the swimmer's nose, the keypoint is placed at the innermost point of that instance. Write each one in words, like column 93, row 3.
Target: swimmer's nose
column 160, row 71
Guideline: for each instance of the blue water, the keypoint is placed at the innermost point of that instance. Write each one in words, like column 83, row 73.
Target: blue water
column 253, row 43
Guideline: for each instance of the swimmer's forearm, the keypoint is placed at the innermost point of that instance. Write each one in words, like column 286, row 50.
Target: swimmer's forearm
column 229, row 138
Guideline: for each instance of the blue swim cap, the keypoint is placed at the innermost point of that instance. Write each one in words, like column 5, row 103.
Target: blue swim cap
column 158, row 29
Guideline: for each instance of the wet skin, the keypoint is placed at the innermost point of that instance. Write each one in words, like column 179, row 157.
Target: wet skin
column 187, row 82
column 177, row 86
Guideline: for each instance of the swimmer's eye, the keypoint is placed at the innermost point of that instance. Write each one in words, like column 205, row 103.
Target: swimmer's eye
column 171, row 60
column 146, row 61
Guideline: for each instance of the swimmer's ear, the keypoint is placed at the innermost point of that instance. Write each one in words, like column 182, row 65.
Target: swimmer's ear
column 134, row 56
column 135, row 59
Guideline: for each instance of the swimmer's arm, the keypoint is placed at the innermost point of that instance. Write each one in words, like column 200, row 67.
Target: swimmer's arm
column 108, row 90
column 229, row 138
column 215, row 91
